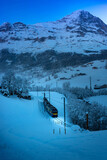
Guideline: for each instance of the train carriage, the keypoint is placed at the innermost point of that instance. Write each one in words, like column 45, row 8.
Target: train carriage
column 50, row 108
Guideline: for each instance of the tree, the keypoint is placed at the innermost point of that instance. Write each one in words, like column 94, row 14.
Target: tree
column 66, row 86
column 8, row 83
column 14, row 85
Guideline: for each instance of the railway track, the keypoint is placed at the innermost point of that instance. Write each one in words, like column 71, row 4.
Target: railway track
column 59, row 121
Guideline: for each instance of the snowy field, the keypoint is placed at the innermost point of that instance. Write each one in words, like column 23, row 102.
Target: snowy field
column 26, row 133
column 96, row 70
column 102, row 100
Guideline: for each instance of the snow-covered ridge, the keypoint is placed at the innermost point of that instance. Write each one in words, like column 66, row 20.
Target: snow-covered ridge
column 77, row 32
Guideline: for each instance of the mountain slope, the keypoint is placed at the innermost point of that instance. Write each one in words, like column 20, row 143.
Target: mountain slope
column 79, row 32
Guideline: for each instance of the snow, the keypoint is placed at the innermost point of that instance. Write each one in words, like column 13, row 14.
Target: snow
column 98, row 76
column 74, row 16
column 102, row 100
column 26, row 132
column 70, row 41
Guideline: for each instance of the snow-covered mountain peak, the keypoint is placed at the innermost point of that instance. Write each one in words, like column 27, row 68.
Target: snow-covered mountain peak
column 79, row 32
column 6, row 26
column 82, row 17
column 19, row 25
column 75, row 16
column 85, row 22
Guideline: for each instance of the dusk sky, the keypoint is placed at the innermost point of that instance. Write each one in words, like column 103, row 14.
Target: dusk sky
column 34, row 11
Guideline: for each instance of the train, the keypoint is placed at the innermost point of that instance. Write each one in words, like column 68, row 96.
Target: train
column 50, row 108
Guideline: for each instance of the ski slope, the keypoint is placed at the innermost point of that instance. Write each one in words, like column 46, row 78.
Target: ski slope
column 26, row 133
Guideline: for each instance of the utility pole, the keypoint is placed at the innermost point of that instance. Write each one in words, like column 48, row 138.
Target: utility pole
column 90, row 84
column 49, row 94
column 64, row 111
column 106, row 64
column 56, row 84
column 64, row 117
column 87, row 119
column 37, row 91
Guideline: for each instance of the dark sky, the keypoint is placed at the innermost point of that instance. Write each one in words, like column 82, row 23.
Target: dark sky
column 34, row 11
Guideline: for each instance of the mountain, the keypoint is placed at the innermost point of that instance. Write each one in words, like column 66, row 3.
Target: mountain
column 79, row 32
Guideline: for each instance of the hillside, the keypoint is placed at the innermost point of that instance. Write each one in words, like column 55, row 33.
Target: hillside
column 78, row 76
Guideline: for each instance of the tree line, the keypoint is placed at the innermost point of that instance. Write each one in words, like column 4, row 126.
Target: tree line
column 14, row 85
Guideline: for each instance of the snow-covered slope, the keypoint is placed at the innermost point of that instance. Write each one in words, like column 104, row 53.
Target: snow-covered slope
column 102, row 100
column 79, row 32
column 78, row 76
column 26, row 134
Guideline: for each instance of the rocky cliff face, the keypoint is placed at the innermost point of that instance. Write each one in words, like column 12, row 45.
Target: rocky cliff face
column 79, row 32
